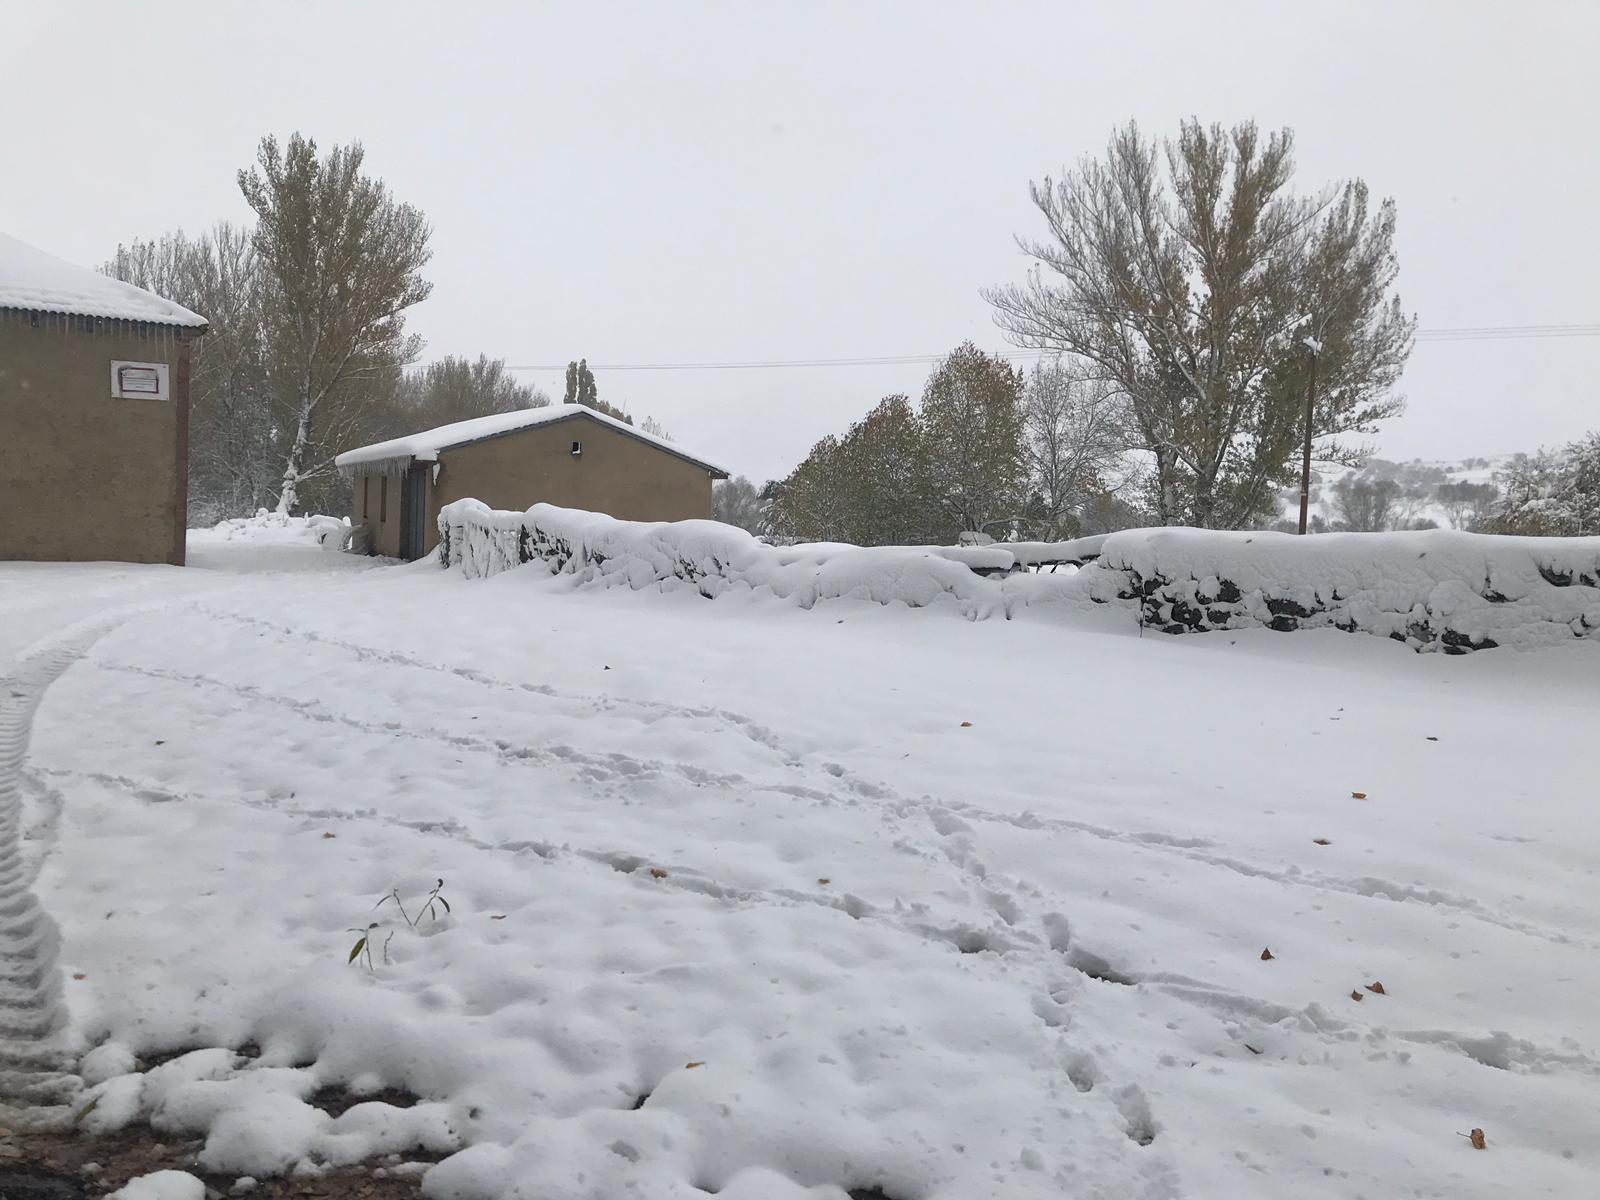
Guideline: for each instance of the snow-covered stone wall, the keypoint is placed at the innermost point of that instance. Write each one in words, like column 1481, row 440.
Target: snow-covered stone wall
column 1434, row 590
column 714, row 559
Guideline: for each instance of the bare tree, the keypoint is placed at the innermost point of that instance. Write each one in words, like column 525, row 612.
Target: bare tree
column 1464, row 503
column 340, row 263
column 1364, row 505
column 1202, row 292
column 458, row 389
column 737, row 502
column 1075, row 438
column 231, row 428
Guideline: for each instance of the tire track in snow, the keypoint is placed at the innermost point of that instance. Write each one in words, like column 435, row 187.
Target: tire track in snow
column 35, row 1061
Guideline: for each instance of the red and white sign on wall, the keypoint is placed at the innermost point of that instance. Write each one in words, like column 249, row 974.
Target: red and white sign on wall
column 139, row 381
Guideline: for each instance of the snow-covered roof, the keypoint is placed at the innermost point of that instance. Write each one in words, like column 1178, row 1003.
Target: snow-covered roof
column 38, row 282
column 429, row 444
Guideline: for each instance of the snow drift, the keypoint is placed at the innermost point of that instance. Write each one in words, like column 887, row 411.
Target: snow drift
column 331, row 533
column 1433, row 590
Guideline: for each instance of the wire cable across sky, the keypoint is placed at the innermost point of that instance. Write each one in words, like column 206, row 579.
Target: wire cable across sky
column 1477, row 333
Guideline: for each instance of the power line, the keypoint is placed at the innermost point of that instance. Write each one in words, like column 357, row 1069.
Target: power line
column 1479, row 333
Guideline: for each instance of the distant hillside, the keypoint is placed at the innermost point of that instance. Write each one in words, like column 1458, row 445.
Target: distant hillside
column 1396, row 495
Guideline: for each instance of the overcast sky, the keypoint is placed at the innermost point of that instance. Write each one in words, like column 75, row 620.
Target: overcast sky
column 695, row 182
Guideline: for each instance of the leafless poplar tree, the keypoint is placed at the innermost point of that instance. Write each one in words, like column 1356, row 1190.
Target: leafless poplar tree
column 1195, row 289
column 340, row 262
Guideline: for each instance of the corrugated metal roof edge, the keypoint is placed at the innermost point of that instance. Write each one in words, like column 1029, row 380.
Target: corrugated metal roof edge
column 200, row 325
column 383, row 466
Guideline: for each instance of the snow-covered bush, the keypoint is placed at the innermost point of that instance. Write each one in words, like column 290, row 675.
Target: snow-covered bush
column 1553, row 493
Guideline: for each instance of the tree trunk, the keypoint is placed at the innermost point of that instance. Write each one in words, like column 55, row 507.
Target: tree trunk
column 289, row 495
column 1166, row 486
column 1205, row 502
column 1305, row 458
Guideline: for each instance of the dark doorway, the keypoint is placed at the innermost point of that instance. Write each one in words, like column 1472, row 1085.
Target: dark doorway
column 414, row 514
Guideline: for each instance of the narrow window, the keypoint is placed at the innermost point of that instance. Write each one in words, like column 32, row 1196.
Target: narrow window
column 383, row 500
column 577, row 449
column 366, row 495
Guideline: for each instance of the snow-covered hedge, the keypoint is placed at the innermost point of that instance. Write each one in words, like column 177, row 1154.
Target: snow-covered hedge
column 715, row 558
column 1433, row 590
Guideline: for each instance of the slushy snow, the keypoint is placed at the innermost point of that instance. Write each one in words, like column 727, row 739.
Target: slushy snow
column 780, row 904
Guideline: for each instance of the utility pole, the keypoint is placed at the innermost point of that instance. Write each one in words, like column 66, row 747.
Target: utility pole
column 1305, row 458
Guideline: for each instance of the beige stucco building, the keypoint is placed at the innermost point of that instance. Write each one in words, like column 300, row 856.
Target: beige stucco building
column 563, row 454
column 94, row 414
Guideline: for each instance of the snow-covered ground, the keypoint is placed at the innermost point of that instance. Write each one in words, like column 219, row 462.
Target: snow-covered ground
column 772, row 903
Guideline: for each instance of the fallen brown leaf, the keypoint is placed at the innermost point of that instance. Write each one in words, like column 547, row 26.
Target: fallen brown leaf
column 1357, row 997
column 326, row 836
column 824, row 882
column 1377, row 986
column 1358, row 795
column 966, row 724
column 80, row 976
column 1267, row 956
column 1479, row 1142
column 1251, row 1048
column 692, row 1066
column 1322, row 841
column 658, row 872
column 497, row 917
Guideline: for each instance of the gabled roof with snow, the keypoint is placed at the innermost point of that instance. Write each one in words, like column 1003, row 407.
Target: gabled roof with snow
column 38, row 282
column 428, row 445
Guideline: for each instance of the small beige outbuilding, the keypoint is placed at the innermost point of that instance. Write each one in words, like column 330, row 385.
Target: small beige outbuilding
column 94, row 414
column 566, row 454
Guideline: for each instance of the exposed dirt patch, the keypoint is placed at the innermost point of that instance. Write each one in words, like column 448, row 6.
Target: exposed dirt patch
column 65, row 1166
column 335, row 1101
